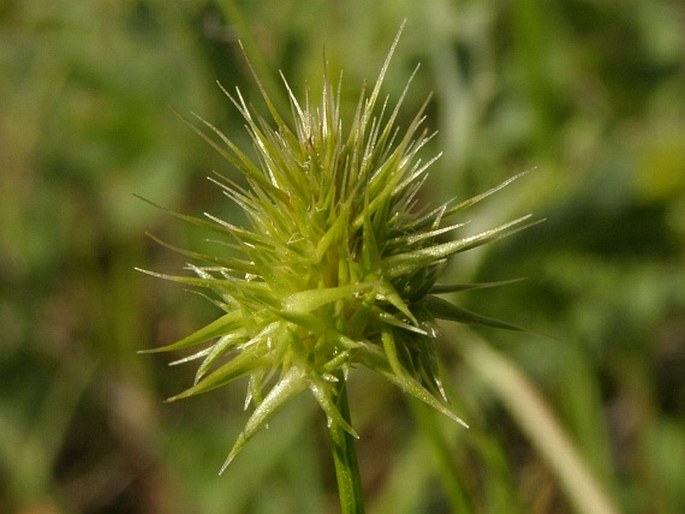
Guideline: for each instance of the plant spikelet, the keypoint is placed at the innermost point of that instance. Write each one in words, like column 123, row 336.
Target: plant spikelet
column 336, row 266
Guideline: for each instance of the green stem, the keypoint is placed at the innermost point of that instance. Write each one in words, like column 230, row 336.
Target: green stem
column 344, row 450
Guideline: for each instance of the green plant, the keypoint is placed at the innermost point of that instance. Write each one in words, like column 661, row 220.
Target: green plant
column 336, row 268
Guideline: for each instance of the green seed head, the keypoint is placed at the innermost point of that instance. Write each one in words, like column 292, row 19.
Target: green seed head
column 337, row 264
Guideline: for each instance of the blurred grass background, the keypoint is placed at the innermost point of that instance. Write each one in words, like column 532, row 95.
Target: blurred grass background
column 590, row 94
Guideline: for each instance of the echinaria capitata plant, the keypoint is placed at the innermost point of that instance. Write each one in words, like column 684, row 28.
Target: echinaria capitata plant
column 336, row 267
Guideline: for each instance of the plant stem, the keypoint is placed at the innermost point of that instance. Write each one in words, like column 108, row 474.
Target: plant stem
column 344, row 450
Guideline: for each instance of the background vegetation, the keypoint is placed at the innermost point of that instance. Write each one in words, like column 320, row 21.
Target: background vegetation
column 589, row 93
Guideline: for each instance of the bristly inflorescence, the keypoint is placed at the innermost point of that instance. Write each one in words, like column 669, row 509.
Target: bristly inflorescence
column 337, row 265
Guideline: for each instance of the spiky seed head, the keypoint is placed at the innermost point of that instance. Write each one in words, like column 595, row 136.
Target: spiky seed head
column 337, row 264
